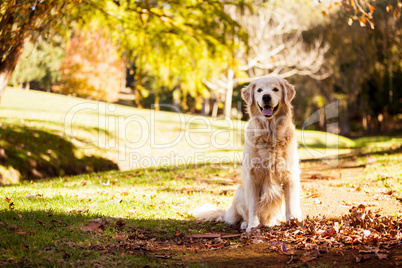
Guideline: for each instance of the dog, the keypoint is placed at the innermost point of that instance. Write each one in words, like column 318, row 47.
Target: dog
column 270, row 171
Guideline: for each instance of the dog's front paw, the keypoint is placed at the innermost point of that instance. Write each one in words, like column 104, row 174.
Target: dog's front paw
column 243, row 225
column 297, row 217
column 253, row 227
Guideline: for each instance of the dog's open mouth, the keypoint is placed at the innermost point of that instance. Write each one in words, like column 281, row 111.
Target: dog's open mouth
column 268, row 111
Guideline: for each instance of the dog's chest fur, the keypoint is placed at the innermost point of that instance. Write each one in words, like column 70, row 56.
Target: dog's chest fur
column 269, row 162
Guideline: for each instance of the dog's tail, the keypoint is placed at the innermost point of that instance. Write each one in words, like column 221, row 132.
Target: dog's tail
column 209, row 212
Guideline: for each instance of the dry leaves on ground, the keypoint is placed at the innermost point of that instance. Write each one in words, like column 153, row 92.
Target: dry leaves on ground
column 360, row 229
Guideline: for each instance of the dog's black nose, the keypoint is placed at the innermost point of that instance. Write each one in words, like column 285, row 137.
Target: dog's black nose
column 266, row 98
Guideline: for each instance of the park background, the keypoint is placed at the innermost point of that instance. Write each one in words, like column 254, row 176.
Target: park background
column 119, row 117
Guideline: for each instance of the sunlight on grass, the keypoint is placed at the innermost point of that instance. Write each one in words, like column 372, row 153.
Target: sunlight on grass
column 41, row 221
column 135, row 138
column 50, row 214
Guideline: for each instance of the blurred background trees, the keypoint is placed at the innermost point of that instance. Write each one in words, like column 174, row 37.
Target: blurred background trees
column 24, row 21
column 92, row 67
column 39, row 63
column 365, row 61
column 197, row 55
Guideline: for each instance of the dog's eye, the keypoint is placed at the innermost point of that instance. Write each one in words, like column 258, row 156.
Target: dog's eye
column 276, row 89
column 259, row 90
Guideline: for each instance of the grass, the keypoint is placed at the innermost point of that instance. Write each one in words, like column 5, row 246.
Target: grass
column 378, row 143
column 46, row 135
column 382, row 173
column 41, row 221
column 152, row 200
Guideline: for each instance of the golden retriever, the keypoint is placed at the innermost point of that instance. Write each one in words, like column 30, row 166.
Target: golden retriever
column 270, row 170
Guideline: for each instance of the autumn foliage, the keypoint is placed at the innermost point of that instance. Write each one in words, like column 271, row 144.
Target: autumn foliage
column 92, row 67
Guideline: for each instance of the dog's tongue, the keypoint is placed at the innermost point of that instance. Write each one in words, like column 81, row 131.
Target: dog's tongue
column 267, row 111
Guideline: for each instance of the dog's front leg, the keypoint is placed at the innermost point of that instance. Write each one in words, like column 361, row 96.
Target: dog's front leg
column 252, row 197
column 292, row 198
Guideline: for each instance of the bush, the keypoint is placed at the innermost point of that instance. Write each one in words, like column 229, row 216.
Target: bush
column 92, row 67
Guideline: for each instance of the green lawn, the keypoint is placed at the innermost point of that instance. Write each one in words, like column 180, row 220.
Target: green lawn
column 46, row 222
column 48, row 135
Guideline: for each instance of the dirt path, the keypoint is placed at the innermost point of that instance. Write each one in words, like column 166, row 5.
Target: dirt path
column 326, row 191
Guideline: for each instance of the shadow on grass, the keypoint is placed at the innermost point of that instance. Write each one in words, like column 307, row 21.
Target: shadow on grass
column 47, row 239
column 34, row 238
column 356, row 153
column 29, row 154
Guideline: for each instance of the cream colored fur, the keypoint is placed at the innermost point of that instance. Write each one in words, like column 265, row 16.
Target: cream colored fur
column 271, row 177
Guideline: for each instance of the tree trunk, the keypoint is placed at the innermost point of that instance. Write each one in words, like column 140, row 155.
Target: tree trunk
column 156, row 102
column 229, row 94
column 8, row 65
column 344, row 118
column 215, row 109
column 137, row 99
column 205, row 107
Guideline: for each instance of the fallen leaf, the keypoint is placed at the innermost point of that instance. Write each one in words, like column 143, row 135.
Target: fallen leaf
column 366, row 232
column 99, row 220
column 285, row 250
column 382, row 256
column 217, row 246
column 163, row 256
column 79, row 210
column 11, row 206
column 13, row 227
column 41, row 222
column 310, row 255
column 24, row 246
column 91, row 226
column 84, row 244
column 360, row 259
column 21, row 232
column 8, row 200
column 19, row 216
column 118, row 236
column 257, row 241
column 120, row 223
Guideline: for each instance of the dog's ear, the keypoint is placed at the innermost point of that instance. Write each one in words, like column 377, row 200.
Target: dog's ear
column 247, row 93
column 289, row 92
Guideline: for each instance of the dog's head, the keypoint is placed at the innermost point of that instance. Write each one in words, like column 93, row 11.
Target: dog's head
column 268, row 96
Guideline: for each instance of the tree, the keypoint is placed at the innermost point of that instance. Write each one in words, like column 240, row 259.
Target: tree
column 92, row 66
column 276, row 47
column 22, row 21
column 139, row 27
column 365, row 66
column 361, row 10
column 177, row 45
column 40, row 62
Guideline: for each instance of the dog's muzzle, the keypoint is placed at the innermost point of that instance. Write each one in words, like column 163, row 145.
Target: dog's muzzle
column 268, row 111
